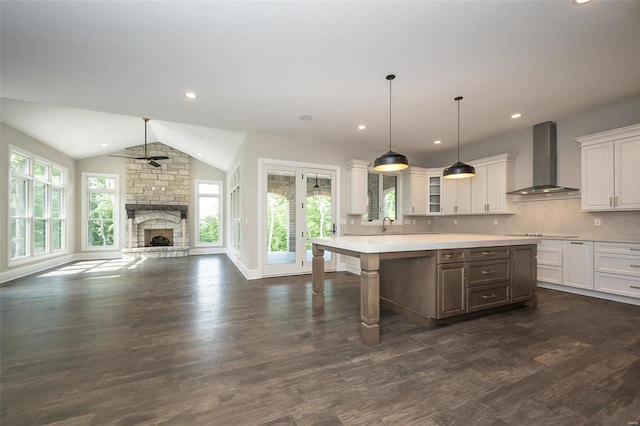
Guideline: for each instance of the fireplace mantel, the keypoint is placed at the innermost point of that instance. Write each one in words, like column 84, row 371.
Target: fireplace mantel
column 131, row 208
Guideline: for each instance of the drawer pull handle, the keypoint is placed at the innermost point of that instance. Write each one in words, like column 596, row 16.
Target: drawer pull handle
column 487, row 253
column 447, row 256
column 489, row 271
column 635, row 286
column 576, row 242
column 488, row 296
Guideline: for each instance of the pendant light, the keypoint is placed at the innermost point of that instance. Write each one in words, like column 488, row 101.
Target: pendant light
column 316, row 186
column 459, row 170
column 391, row 161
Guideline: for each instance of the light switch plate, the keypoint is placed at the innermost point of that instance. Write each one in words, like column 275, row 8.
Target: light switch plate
column 597, row 221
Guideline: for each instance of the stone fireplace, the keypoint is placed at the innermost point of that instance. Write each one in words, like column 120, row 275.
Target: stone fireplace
column 157, row 199
column 149, row 221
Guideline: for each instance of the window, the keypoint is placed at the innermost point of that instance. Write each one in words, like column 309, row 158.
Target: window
column 36, row 207
column 381, row 197
column 100, row 211
column 209, row 210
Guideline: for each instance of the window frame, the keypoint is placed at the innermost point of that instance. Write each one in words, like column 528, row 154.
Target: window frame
column 84, row 228
column 377, row 222
column 219, row 196
column 49, row 184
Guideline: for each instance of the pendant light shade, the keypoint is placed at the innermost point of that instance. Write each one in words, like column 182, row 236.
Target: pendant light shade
column 459, row 170
column 391, row 161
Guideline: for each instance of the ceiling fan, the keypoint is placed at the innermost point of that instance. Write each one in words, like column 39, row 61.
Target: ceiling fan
column 150, row 159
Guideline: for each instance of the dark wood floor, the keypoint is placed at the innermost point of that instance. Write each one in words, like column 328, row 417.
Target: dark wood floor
column 190, row 341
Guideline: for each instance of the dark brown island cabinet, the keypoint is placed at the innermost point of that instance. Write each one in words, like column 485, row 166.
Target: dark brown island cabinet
column 459, row 283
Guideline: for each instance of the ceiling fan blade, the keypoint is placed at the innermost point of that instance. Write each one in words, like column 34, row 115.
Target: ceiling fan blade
column 153, row 163
column 159, row 157
column 121, row 156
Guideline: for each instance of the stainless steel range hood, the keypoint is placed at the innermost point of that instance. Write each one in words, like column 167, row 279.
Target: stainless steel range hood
column 545, row 161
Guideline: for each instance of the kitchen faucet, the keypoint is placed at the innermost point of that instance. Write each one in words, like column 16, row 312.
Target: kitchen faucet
column 384, row 226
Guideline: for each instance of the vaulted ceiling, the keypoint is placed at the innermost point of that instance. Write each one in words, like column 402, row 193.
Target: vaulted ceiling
column 77, row 75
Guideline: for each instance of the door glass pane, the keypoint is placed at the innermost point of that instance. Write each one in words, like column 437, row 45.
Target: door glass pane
column 19, row 163
column 318, row 211
column 281, row 217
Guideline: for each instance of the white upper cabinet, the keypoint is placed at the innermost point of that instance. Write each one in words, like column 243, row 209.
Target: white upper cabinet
column 609, row 169
column 414, row 191
column 434, row 185
column 357, row 186
column 490, row 185
column 456, row 196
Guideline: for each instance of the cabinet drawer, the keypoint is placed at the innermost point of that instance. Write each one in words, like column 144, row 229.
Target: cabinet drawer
column 452, row 255
column 484, row 297
column 617, row 284
column 488, row 253
column 628, row 249
column 550, row 274
column 550, row 256
column 617, row 264
column 487, row 272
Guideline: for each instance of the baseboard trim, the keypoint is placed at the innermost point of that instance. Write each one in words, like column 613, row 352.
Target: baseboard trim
column 250, row 274
column 199, row 251
column 34, row 268
column 590, row 293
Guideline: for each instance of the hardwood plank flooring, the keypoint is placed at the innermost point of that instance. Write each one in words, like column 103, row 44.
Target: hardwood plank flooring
column 190, row 341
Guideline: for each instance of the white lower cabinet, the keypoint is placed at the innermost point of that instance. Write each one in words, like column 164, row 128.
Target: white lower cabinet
column 550, row 261
column 600, row 269
column 617, row 268
column 578, row 264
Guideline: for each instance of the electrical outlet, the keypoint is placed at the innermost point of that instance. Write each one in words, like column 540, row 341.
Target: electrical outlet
column 429, row 222
column 455, row 221
column 495, row 222
column 352, row 222
column 414, row 221
column 597, row 221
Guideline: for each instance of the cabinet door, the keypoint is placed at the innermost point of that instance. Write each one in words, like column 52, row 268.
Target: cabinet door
column 627, row 183
column 479, row 190
column 463, row 195
column 523, row 272
column 597, row 177
column 415, row 193
column 578, row 264
column 497, row 188
column 434, row 183
column 448, row 196
column 357, row 188
column 451, row 295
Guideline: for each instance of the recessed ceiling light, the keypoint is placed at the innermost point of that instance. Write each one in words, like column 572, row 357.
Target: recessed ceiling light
column 579, row 2
column 191, row 95
column 516, row 115
column 305, row 117
column 362, row 127
column 199, row 155
column 104, row 144
column 437, row 142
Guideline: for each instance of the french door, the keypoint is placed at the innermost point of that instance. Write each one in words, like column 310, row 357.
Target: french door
column 298, row 204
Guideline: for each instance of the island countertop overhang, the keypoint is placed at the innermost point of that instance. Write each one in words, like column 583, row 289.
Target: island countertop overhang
column 415, row 242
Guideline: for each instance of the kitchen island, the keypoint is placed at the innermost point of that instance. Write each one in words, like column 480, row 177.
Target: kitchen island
column 432, row 277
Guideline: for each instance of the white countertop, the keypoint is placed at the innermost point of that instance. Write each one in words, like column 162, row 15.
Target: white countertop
column 413, row 242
